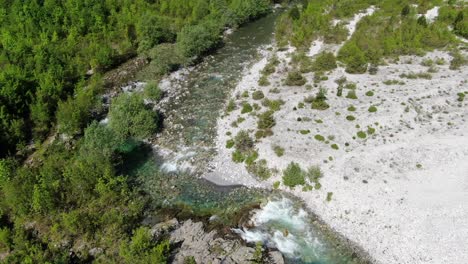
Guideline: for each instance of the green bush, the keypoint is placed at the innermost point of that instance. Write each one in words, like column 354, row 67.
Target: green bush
column 246, row 108
column 370, row 93
column 276, row 185
column 196, row 40
column 295, row 79
column 350, row 118
column 335, row 146
column 266, row 120
column 351, row 108
column 258, row 95
column 293, row 175
column 230, row 143
column 259, row 169
column 324, row 61
column 457, row 61
column 361, row 134
column 279, row 151
column 319, row 138
column 351, row 94
column 152, row 91
column 372, row 109
column 329, row 196
column 243, row 142
column 461, row 97
column 263, row 81
column 353, row 57
column 231, row 106
column 129, row 117
column 314, row 173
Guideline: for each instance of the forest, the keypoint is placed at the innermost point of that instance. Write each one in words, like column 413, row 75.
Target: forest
column 76, row 195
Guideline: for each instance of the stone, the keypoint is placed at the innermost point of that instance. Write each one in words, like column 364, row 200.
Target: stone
column 276, row 257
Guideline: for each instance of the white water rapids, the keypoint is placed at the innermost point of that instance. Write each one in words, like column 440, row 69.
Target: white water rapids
column 283, row 225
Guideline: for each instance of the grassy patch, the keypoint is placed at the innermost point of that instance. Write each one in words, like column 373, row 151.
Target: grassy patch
column 304, row 132
column 361, row 134
column 259, row 169
column 369, row 93
column 279, row 151
column 319, row 138
column 324, row 61
column 295, row 79
column 258, row 95
column 350, row 118
column 351, row 108
column 293, row 175
column 230, row 143
column 393, row 82
column 276, row 185
column 334, row 146
column 372, row 109
column 231, row 106
column 351, row 94
column 246, row 108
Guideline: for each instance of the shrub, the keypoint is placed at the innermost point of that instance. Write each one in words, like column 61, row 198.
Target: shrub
column 238, row 157
column 263, row 81
column 231, row 106
column 324, row 61
column 293, row 175
column 351, row 94
column 361, row 134
column 353, row 57
column 258, row 95
column 129, row 117
column 196, row 40
column 461, row 97
column 266, row 120
column 304, row 132
column 295, row 79
column 334, row 146
column 372, row 109
column 457, row 61
column 259, row 169
column 230, row 143
column 279, row 151
column 320, row 105
column 271, row 66
column 246, row 108
column 350, row 118
column 152, row 91
column 243, row 142
column 329, row 196
column 370, row 93
column 276, row 185
column 319, row 138
column 351, row 108
column 370, row 130
column 314, row 173
column 274, row 105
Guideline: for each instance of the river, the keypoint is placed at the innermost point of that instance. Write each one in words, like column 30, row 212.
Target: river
column 186, row 145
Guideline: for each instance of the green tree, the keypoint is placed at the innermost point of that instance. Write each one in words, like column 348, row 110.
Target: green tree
column 129, row 117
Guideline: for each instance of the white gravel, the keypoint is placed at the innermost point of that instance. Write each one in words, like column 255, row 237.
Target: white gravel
column 402, row 193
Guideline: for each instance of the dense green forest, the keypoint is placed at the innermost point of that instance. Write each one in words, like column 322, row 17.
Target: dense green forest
column 75, row 195
column 47, row 47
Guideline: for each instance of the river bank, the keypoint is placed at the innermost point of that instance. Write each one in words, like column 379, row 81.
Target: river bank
column 394, row 177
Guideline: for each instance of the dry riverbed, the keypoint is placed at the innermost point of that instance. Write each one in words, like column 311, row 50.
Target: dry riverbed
column 394, row 159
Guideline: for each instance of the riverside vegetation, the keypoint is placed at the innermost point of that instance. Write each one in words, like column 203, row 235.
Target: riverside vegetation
column 76, row 194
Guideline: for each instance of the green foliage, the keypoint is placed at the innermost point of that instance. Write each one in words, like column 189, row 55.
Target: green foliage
column 351, row 108
column 153, row 29
column 276, row 185
column 129, row 117
column 295, row 79
column 258, row 95
column 141, row 248
column 372, row 109
column 369, row 93
column 329, row 196
column 259, row 169
column 457, row 61
column 243, row 142
column 335, row 146
column 319, row 138
column 274, row 105
column 351, row 94
column 353, row 57
column 324, row 61
column 190, row 260
column 350, row 118
column 231, row 106
column 279, row 151
column 266, row 120
column 230, row 143
column 461, row 97
column 246, row 108
column 152, row 91
column 196, row 40
column 361, row 134
column 293, row 175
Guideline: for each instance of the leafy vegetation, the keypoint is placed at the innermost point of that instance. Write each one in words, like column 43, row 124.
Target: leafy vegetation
column 293, row 175
column 295, row 78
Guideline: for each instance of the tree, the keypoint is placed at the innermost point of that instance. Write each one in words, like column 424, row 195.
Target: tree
column 152, row 29
column 196, row 40
column 129, row 117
